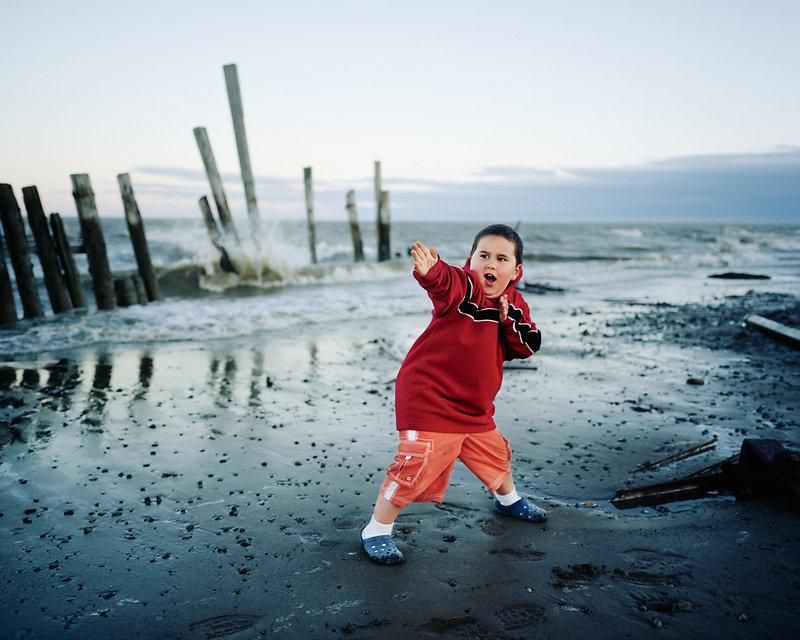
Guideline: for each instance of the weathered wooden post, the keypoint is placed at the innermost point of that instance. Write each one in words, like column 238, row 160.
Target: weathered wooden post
column 53, row 278
column 8, row 310
column 237, row 115
column 214, row 180
column 358, row 246
column 94, row 241
column 381, row 219
column 136, row 231
column 312, row 234
column 125, row 292
column 67, row 261
column 141, row 291
column 378, row 188
column 215, row 236
column 18, row 248
column 384, row 247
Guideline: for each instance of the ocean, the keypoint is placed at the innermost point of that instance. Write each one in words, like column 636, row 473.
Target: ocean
column 568, row 267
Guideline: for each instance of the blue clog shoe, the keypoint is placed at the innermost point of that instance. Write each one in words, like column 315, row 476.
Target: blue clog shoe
column 382, row 549
column 522, row 509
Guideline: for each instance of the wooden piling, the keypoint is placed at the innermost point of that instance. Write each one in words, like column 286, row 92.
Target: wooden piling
column 94, row 241
column 17, row 241
column 358, row 246
column 237, row 115
column 214, row 180
column 141, row 290
column 53, row 278
column 67, row 262
column 215, row 236
column 136, row 231
column 124, row 291
column 378, row 189
column 8, row 310
column 384, row 245
column 312, row 234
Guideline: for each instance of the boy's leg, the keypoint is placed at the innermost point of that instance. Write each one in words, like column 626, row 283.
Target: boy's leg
column 416, row 475
column 488, row 456
column 385, row 512
column 376, row 537
column 507, row 486
column 506, row 493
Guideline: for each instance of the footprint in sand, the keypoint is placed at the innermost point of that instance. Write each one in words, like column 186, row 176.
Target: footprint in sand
column 519, row 615
column 518, row 554
column 492, row 527
column 345, row 523
column 445, row 524
column 651, row 567
column 222, row 626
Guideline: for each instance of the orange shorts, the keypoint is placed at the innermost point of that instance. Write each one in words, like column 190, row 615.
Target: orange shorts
column 425, row 459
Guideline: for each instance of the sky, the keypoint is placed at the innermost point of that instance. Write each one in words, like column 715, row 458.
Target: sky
column 621, row 111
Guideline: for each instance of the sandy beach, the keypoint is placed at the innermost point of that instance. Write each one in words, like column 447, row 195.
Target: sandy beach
column 217, row 490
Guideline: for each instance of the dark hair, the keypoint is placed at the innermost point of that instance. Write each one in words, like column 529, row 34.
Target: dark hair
column 503, row 231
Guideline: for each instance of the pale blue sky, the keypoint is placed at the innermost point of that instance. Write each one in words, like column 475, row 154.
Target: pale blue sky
column 620, row 110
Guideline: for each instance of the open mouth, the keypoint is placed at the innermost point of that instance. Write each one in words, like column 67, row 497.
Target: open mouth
column 490, row 278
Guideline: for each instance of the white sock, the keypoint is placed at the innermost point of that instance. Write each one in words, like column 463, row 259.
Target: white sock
column 375, row 528
column 508, row 499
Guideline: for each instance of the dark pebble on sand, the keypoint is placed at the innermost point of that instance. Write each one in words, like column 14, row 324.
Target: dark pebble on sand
column 69, row 512
column 695, row 381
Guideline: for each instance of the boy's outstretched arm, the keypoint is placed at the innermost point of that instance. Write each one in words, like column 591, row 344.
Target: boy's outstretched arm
column 519, row 334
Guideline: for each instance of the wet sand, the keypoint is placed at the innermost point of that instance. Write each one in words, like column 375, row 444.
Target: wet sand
column 217, row 491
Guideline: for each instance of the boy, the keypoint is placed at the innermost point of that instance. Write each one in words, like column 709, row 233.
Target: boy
column 445, row 390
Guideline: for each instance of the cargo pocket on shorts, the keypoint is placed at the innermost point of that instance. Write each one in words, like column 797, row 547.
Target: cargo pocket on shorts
column 410, row 462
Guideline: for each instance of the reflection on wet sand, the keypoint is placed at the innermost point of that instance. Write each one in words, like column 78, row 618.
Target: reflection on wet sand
column 63, row 377
column 256, row 378
column 145, row 376
column 222, row 383
column 104, row 390
column 95, row 411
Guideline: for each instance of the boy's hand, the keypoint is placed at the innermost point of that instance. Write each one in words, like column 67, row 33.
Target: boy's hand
column 424, row 258
column 503, row 308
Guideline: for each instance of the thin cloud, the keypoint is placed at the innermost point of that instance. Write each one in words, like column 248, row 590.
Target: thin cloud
column 742, row 187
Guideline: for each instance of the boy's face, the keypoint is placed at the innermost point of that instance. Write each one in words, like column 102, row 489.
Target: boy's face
column 495, row 263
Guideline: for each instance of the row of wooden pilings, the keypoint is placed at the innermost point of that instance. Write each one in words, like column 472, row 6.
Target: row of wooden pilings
column 61, row 277
column 224, row 235
column 382, row 222
column 223, row 238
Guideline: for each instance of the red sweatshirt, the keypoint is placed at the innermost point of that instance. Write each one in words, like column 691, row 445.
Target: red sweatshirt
column 452, row 373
